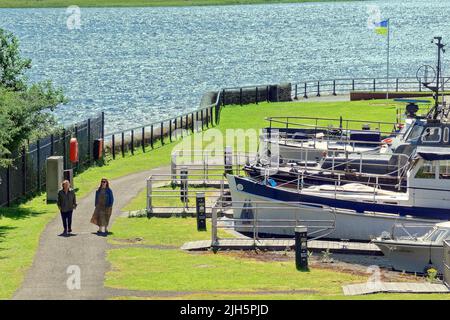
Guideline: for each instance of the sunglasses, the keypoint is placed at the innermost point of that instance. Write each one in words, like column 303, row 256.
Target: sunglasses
column 104, row 181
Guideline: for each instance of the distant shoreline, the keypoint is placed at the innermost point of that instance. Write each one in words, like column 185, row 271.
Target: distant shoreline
column 141, row 3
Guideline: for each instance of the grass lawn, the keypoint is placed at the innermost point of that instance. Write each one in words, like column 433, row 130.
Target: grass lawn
column 159, row 231
column 136, row 3
column 174, row 270
column 21, row 225
column 209, row 276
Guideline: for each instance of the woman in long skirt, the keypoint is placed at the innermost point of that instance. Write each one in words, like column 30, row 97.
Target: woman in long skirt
column 104, row 201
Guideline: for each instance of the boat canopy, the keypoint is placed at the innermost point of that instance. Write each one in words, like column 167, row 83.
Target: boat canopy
column 433, row 153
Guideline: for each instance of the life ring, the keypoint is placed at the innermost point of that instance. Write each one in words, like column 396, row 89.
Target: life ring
column 73, row 150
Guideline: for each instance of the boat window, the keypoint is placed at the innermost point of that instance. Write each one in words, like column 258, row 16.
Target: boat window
column 446, row 133
column 432, row 135
column 444, row 169
column 415, row 133
column 427, row 171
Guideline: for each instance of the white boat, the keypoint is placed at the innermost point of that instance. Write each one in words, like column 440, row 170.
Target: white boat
column 360, row 212
column 417, row 254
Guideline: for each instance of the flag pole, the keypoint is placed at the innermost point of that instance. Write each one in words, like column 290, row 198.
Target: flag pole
column 387, row 68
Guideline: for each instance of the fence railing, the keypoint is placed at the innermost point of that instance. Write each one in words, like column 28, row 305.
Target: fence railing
column 26, row 175
column 318, row 88
column 163, row 131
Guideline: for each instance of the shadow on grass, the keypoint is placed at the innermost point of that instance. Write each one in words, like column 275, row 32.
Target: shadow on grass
column 17, row 212
column 4, row 230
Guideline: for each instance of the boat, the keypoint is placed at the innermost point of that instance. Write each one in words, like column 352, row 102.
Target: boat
column 414, row 253
column 361, row 212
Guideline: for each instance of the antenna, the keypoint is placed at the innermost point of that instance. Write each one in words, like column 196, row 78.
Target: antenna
column 423, row 73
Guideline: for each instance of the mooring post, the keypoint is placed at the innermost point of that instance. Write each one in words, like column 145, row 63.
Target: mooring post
column 301, row 248
column 228, row 160
column 200, row 206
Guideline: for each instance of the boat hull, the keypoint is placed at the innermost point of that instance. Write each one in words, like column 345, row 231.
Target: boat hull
column 412, row 258
column 321, row 220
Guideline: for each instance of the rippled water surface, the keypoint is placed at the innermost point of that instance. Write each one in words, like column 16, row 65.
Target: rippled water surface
column 143, row 64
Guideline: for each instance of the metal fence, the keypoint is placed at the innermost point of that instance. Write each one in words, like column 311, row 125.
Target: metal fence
column 318, row 88
column 27, row 173
column 162, row 132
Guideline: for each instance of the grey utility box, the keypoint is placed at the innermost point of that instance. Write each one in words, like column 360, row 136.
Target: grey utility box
column 54, row 177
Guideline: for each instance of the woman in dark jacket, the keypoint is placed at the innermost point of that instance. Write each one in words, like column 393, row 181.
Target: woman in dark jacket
column 104, row 200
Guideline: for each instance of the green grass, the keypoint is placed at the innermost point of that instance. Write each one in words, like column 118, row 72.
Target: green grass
column 292, row 296
column 160, row 231
column 21, row 225
column 173, row 270
column 137, row 3
column 216, row 276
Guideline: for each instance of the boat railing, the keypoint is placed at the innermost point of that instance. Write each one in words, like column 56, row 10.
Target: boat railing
column 331, row 123
column 342, row 162
column 313, row 141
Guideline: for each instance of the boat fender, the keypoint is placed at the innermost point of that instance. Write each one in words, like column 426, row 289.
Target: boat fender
column 271, row 182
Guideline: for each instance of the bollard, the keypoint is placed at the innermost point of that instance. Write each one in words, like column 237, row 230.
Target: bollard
column 201, row 211
column 228, row 160
column 301, row 248
column 184, row 186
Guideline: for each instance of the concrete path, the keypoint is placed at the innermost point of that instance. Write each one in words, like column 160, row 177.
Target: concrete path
column 51, row 269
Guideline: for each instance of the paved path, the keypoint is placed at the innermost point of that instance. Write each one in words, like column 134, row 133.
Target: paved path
column 47, row 277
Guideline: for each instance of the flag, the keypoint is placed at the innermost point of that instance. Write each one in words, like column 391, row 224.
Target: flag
column 382, row 27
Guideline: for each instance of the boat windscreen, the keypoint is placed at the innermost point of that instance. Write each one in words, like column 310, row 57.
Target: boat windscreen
column 415, row 133
column 436, row 235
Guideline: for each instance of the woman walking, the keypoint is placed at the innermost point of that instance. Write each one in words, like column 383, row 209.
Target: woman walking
column 104, row 201
column 67, row 202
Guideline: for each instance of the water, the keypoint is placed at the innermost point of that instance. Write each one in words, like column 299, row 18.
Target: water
column 140, row 65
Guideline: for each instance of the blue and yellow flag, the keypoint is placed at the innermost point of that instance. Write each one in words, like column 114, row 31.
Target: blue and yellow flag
column 382, row 27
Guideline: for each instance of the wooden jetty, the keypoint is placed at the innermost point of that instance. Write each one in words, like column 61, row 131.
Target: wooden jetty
column 281, row 245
